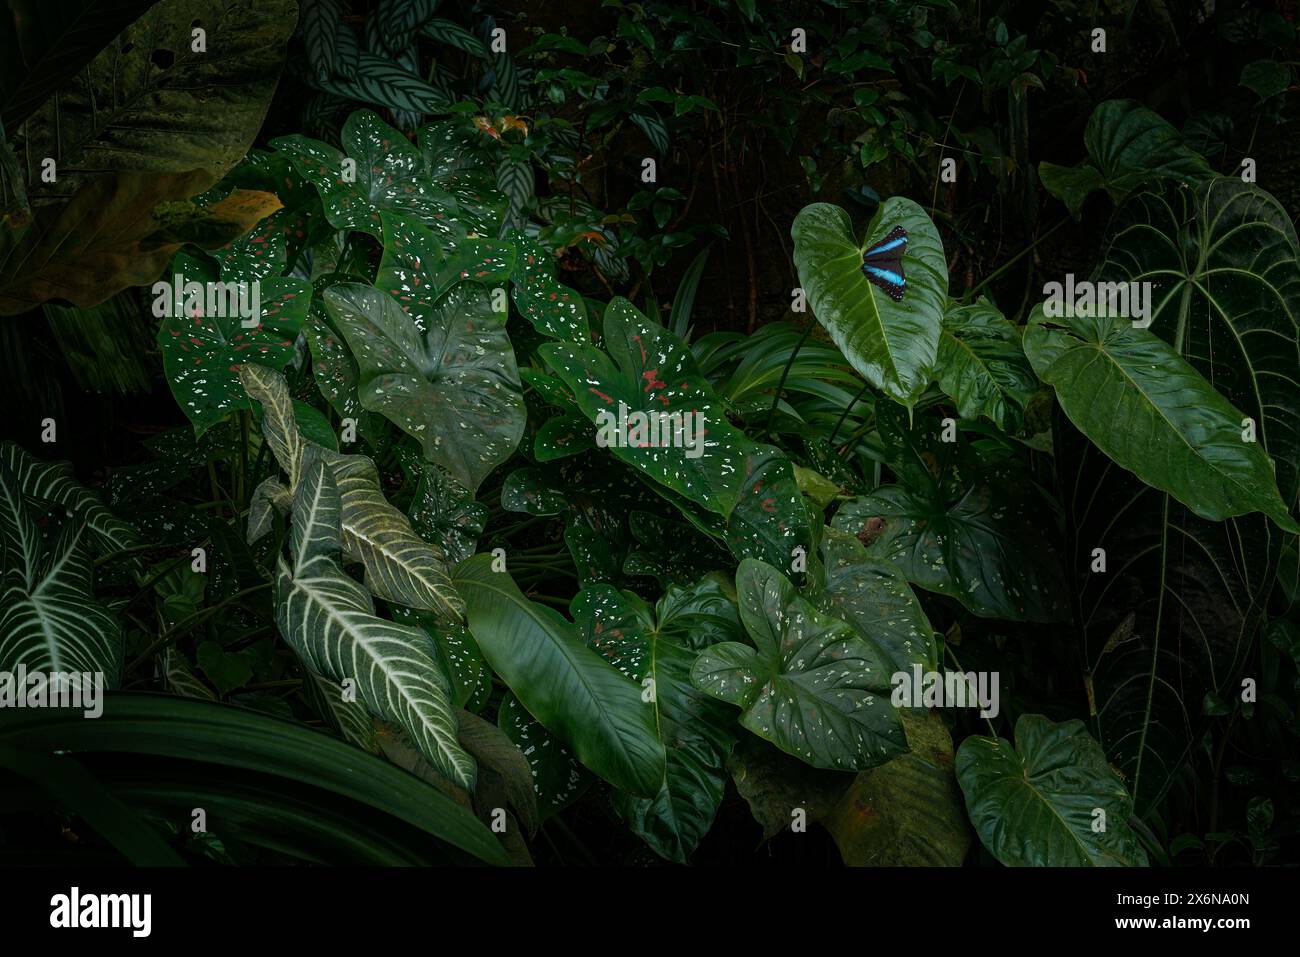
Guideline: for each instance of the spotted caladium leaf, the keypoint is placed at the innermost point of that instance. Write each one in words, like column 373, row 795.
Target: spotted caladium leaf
column 647, row 370
column 556, row 311
column 874, row 598
column 256, row 255
column 563, row 435
column 444, row 375
column 453, row 160
column 417, row 268
column 770, row 520
column 389, row 174
column 445, row 513
column 202, row 353
column 808, row 684
column 696, row 730
column 558, row 778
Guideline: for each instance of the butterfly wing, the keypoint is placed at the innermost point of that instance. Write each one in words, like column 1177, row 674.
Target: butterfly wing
column 882, row 264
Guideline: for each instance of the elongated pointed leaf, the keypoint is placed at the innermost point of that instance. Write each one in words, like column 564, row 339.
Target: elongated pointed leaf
column 1036, row 804
column 330, row 620
column 892, row 344
column 595, row 711
column 695, row 729
column 49, row 618
column 809, row 685
column 54, row 483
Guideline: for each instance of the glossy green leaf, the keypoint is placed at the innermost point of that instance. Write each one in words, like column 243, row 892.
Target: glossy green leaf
column 1036, row 804
column 1148, row 409
column 874, row 598
column 595, row 711
column 447, row 377
column 330, row 620
column 1129, row 146
column 982, row 366
column 892, row 344
column 696, row 730
column 809, row 685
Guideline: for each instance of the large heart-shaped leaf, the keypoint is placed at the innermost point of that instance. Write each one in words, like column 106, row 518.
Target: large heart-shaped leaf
column 959, row 525
column 695, row 729
column 809, row 685
column 1049, row 801
column 1129, row 146
column 447, row 376
column 49, row 618
column 595, row 711
column 982, row 365
column 1175, row 614
column 875, row 599
column 330, row 620
column 1145, row 406
column 892, row 344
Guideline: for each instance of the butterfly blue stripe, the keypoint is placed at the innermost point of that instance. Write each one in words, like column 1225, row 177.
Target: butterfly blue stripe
column 885, row 275
column 887, row 246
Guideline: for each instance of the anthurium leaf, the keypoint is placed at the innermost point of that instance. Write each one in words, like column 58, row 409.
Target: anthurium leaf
column 1148, row 409
column 149, row 102
column 329, row 619
column 389, row 175
column 556, row 311
column 447, row 376
column 982, row 366
column 808, row 685
column 1226, row 291
column 558, row 780
column 647, row 370
column 595, row 711
column 874, row 598
column 978, row 547
column 203, row 351
column 908, row 812
column 695, row 729
column 1129, row 146
column 892, row 344
column 52, row 483
column 1036, row 804
column 49, row 618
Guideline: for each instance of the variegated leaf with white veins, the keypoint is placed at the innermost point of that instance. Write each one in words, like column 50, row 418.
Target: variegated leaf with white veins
column 330, row 620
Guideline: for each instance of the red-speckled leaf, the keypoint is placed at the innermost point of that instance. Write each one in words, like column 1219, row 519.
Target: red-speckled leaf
column 770, row 520
column 649, row 370
column 563, row 435
column 390, row 175
column 416, row 269
column 454, row 161
column 202, row 354
column 257, row 255
column 556, row 311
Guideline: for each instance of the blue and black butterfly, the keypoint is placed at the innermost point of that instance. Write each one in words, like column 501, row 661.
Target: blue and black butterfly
column 883, row 263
